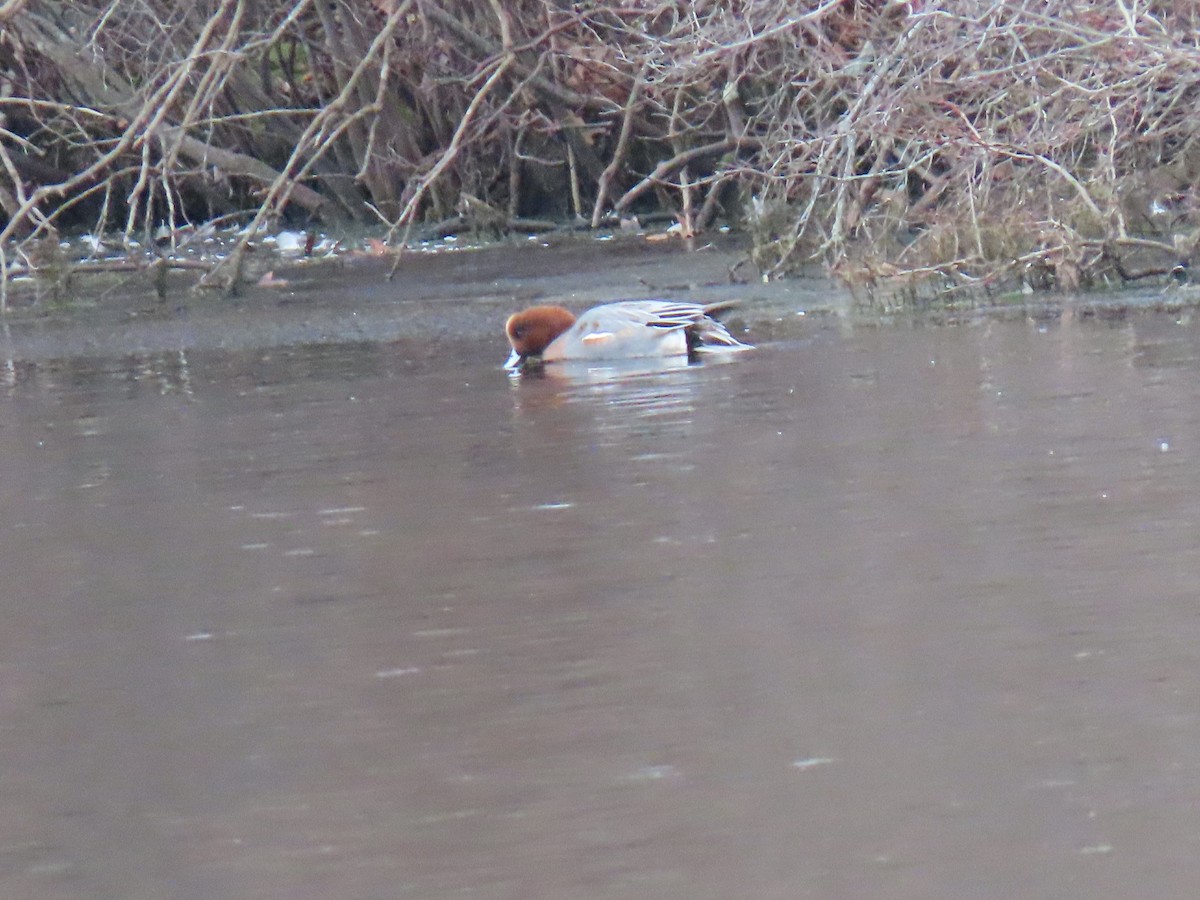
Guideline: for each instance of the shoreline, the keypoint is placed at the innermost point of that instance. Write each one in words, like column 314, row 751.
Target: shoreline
column 466, row 294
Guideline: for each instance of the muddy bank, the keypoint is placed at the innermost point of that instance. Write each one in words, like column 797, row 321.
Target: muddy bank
column 465, row 295
column 454, row 294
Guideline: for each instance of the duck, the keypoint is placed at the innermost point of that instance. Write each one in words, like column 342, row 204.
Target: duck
column 624, row 329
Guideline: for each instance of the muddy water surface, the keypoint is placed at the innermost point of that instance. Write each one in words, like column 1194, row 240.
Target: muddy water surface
column 876, row 613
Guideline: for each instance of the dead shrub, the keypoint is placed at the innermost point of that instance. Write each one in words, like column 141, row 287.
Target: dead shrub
column 972, row 141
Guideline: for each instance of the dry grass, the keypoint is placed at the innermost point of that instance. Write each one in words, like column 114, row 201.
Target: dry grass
column 966, row 145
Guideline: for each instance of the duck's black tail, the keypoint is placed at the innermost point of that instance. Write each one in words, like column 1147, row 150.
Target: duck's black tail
column 710, row 335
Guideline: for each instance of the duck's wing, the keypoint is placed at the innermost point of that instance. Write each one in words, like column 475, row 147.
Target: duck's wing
column 704, row 333
column 711, row 335
column 701, row 331
column 665, row 314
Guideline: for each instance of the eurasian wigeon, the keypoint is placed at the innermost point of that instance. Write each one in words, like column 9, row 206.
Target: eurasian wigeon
column 627, row 329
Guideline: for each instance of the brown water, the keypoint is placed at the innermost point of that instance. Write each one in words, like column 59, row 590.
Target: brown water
column 882, row 613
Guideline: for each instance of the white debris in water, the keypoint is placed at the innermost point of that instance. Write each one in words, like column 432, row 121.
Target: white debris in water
column 1164, row 446
column 563, row 505
column 653, row 773
column 341, row 511
column 396, row 673
column 200, row 636
column 300, row 551
column 290, row 242
column 255, row 546
column 1096, row 850
column 812, row 762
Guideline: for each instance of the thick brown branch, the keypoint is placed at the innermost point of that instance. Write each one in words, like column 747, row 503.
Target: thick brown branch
column 668, row 167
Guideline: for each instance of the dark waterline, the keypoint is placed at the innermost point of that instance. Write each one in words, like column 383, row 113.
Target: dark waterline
column 878, row 613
